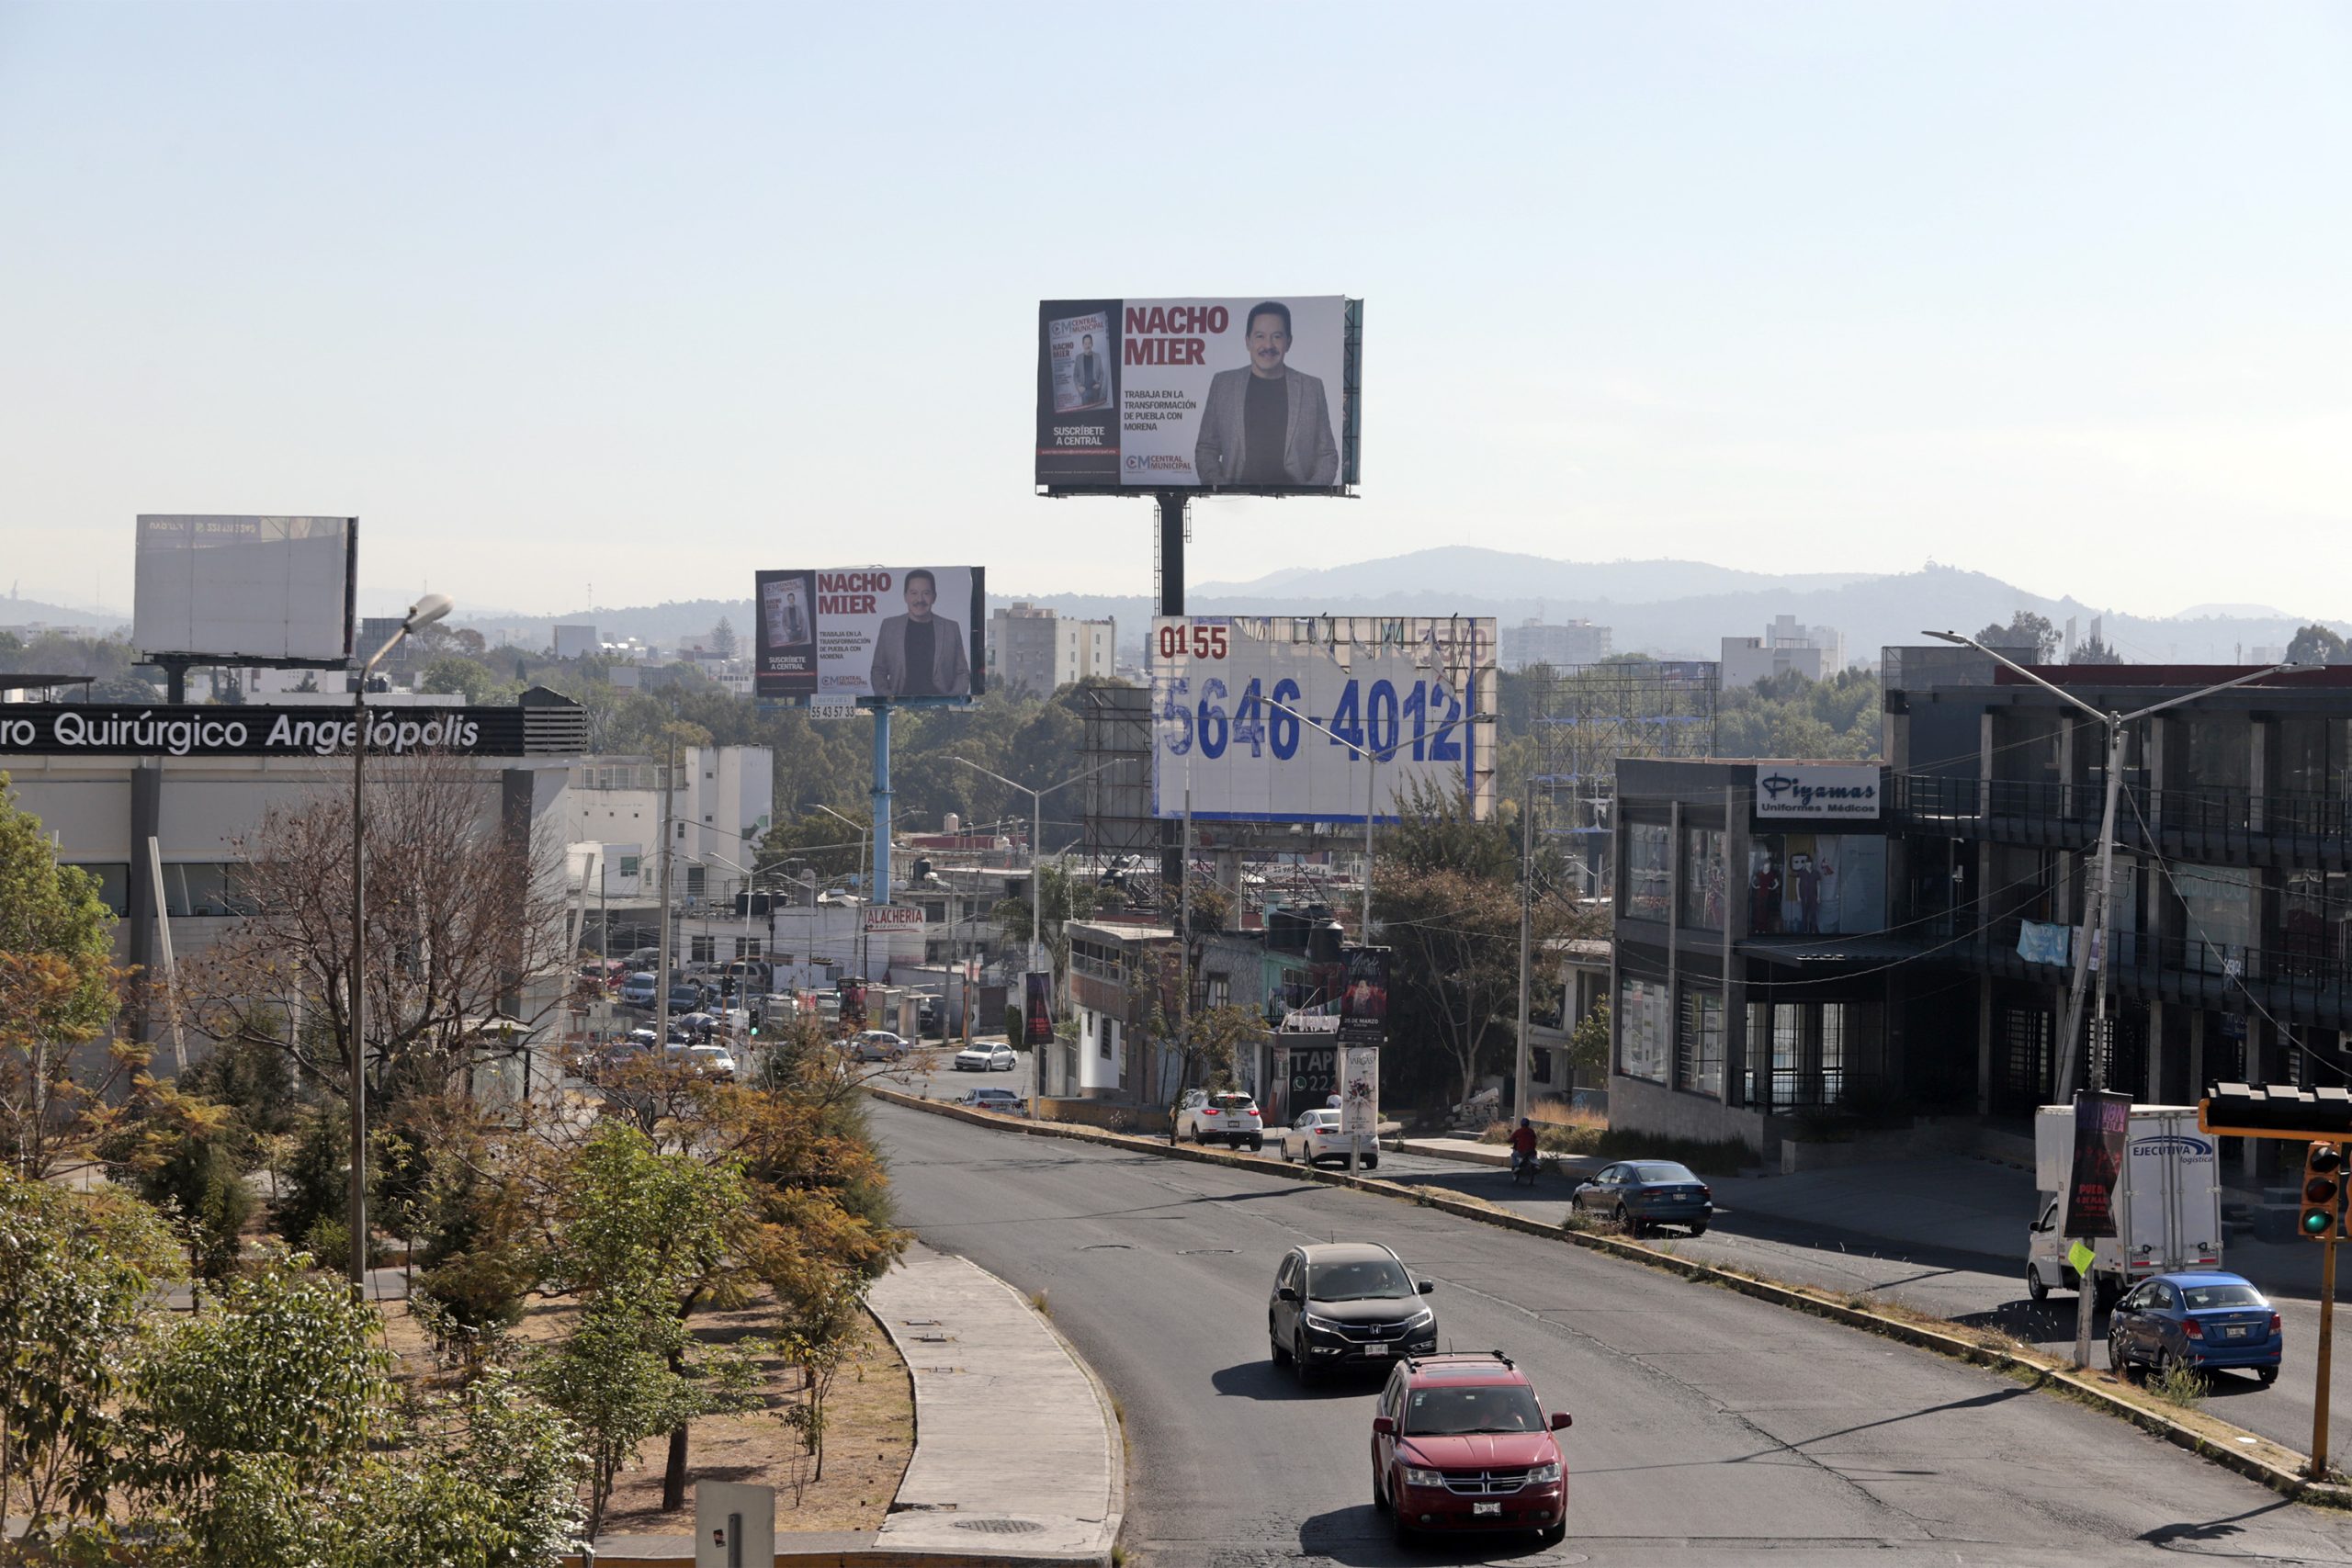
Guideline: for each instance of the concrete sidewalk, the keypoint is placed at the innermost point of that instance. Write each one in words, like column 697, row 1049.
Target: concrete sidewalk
column 1018, row 1457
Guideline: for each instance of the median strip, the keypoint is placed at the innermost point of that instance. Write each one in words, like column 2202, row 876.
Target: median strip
column 2229, row 1445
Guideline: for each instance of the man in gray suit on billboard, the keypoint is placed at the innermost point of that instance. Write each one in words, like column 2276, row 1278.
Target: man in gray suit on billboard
column 1266, row 423
column 919, row 654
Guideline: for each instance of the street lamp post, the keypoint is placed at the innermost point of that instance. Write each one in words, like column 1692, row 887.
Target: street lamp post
column 423, row 613
column 2099, row 918
column 1036, row 831
column 866, row 861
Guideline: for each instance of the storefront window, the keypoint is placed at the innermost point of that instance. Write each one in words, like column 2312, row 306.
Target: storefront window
column 113, row 878
column 1813, row 883
column 1642, row 1026
column 204, row 888
column 1699, row 1048
column 1647, row 876
column 2317, row 915
column 1703, row 878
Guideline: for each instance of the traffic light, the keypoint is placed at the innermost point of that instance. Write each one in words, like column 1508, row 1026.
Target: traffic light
column 2277, row 1110
column 755, row 1016
column 2323, row 1211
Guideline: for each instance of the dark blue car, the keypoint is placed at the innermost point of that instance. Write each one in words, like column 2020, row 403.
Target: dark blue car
column 2199, row 1321
column 1640, row 1193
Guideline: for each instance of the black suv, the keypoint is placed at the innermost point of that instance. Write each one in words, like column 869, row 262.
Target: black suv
column 1347, row 1303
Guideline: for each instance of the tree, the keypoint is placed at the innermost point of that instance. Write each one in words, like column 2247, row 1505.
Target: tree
column 1588, row 1044
column 2317, row 644
column 642, row 1237
column 463, row 911
column 722, row 639
column 474, row 644
column 77, row 1271
column 454, row 674
column 1446, row 900
column 181, row 1153
column 2092, row 650
column 2027, row 630
column 59, row 990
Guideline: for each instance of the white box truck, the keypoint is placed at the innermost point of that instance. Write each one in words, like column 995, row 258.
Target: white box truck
column 2167, row 1201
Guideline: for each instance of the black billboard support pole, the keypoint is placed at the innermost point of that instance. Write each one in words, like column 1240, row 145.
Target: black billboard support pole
column 1172, row 505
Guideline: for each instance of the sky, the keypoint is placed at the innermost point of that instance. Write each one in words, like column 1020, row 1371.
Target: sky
column 612, row 304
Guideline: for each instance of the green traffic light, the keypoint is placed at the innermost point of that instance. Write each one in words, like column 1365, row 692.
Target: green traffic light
column 2316, row 1222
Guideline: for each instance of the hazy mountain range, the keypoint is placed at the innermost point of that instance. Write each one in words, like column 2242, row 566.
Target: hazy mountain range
column 1674, row 609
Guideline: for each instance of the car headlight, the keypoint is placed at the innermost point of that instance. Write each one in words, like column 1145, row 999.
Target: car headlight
column 1543, row 1474
column 1324, row 1324
column 1416, row 1476
column 1421, row 1319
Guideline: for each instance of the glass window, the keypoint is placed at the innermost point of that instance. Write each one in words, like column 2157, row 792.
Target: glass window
column 628, row 866
column 205, row 888
column 1642, row 891
column 703, row 950
column 747, row 947
column 1699, row 1048
column 2216, row 907
column 1703, row 878
column 113, row 878
column 2220, row 750
column 1642, row 1025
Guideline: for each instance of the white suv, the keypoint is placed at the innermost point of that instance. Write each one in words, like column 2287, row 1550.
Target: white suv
column 1221, row 1116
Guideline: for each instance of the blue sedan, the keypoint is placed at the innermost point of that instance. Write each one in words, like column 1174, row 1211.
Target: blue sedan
column 1641, row 1193
column 2197, row 1321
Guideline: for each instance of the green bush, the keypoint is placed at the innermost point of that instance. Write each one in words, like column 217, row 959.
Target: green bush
column 1722, row 1156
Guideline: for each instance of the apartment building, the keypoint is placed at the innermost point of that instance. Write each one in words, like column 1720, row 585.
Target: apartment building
column 1037, row 651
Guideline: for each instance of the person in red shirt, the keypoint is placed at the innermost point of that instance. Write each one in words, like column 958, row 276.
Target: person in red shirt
column 1522, row 1143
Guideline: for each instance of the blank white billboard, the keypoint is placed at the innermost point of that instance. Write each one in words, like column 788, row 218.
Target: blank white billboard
column 1269, row 718
column 257, row 589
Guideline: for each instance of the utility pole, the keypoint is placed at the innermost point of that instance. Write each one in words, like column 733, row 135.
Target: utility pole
column 661, row 962
column 2097, row 920
column 1523, row 1079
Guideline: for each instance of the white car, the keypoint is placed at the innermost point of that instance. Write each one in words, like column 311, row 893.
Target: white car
column 1221, row 1116
column 983, row 1057
column 711, row 1061
column 1002, row 1099
column 1315, row 1136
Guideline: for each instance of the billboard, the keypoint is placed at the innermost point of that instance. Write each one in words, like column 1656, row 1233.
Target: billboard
column 244, row 590
column 871, row 633
column 1254, row 394
column 1269, row 718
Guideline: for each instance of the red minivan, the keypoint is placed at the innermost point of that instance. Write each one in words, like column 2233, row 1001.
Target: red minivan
column 1459, row 1443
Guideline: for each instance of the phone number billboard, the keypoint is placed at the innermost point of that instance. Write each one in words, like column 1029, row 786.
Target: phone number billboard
column 1253, row 395
column 1269, row 718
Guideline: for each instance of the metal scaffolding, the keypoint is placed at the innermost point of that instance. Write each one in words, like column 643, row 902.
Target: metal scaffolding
column 1588, row 715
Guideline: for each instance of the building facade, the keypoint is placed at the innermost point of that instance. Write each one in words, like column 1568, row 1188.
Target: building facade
column 1532, row 642
column 1814, row 652
column 1037, row 651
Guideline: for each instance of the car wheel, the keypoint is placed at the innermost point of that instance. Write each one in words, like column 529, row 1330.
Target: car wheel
column 2117, row 1361
column 1698, row 1229
column 1256, row 1144
column 2166, row 1364
column 2034, row 1286
column 1372, row 1162
column 1298, row 1358
column 1400, row 1531
column 1280, row 1352
column 2265, row 1376
column 1624, row 1222
column 1379, row 1494
column 1198, row 1138
column 1552, row 1535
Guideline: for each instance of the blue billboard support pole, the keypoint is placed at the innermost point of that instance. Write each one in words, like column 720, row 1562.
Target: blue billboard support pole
column 880, row 893
column 1168, row 600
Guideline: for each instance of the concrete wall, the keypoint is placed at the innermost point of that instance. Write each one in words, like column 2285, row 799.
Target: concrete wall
column 1638, row 1105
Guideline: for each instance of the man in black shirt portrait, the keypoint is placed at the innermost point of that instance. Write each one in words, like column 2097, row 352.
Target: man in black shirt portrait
column 919, row 654
column 1090, row 388
column 1266, row 424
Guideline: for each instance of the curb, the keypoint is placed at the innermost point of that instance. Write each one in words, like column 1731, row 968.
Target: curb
column 2246, row 1454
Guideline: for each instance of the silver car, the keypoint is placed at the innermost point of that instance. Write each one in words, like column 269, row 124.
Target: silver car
column 881, row 1045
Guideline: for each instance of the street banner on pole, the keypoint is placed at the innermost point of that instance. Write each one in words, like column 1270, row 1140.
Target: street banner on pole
column 1364, row 998
column 1360, row 1090
column 2102, row 1119
column 1037, row 1009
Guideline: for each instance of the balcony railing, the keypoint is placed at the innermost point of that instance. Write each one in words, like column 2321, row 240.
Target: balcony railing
column 2205, row 823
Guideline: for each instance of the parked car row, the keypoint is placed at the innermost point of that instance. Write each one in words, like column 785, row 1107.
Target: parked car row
column 1459, row 1441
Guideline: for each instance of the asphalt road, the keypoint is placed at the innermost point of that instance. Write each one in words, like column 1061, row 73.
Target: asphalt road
column 1709, row 1428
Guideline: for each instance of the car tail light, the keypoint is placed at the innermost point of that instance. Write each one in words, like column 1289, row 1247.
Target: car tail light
column 1253, row 1113
column 2275, row 1323
column 2194, row 1329
column 1706, row 1191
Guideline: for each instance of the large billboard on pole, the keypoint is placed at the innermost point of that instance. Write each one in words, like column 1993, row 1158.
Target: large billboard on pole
column 1270, row 718
column 1250, row 394
column 244, row 590
column 870, row 633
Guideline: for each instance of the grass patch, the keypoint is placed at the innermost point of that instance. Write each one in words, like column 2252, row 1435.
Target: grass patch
column 1037, row 1299
column 2182, row 1387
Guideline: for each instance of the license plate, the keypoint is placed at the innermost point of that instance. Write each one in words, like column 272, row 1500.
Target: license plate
column 2236, row 1333
column 1494, row 1508
column 1375, row 1350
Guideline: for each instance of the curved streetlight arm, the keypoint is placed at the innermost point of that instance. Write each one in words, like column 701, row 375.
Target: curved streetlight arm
column 1036, row 835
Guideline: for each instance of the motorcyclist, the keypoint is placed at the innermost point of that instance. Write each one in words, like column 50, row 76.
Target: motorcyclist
column 1522, row 1143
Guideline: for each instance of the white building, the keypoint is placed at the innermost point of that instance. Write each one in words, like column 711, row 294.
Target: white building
column 1814, row 652
column 1532, row 642
column 1035, row 650
column 575, row 642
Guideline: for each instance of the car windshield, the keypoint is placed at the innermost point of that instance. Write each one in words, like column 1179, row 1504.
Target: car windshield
column 1659, row 1171
column 1366, row 1279
column 1457, row 1412
column 2201, row 1297
column 1231, row 1102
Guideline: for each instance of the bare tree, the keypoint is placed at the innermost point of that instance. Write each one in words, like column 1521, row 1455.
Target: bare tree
column 465, row 938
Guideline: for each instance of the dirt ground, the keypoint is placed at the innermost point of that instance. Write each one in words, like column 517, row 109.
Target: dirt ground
column 870, row 1421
